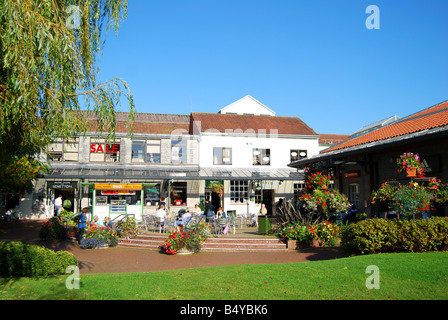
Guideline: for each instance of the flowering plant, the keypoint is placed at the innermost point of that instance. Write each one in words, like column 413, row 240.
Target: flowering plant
column 52, row 230
column 412, row 199
column 217, row 186
column 296, row 231
column 176, row 241
column 386, row 192
column 126, row 228
column 438, row 190
column 96, row 237
column 325, row 202
column 317, row 180
column 326, row 233
column 409, row 160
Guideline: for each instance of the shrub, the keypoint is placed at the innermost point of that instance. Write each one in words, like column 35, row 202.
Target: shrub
column 53, row 230
column 382, row 235
column 21, row 259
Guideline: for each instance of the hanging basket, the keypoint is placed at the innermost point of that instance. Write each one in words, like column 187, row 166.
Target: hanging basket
column 411, row 173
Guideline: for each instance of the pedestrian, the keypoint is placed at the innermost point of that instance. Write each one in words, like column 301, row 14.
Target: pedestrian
column 82, row 225
column 209, row 209
column 57, row 205
column 160, row 215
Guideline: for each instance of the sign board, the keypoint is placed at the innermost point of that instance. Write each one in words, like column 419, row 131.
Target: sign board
column 62, row 184
column 108, row 186
column 351, row 174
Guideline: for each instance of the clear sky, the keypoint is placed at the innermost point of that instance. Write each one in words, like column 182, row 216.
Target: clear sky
column 315, row 60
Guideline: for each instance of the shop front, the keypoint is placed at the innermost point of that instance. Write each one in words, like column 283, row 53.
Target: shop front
column 113, row 200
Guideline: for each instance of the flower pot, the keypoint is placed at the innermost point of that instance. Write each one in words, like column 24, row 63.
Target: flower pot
column 184, row 251
column 315, row 243
column 292, row 244
column 103, row 246
column 412, row 172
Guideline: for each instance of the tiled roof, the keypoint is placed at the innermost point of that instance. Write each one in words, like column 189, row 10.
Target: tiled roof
column 249, row 123
column 332, row 138
column 151, row 123
column 433, row 117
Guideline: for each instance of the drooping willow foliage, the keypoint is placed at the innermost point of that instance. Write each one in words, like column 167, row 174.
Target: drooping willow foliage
column 48, row 86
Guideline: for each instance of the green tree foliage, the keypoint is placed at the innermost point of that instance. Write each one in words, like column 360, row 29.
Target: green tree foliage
column 48, row 87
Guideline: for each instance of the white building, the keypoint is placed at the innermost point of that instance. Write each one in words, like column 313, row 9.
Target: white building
column 245, row 146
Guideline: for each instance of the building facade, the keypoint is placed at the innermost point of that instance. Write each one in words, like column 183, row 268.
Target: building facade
column 361, row 164
column 244, row 147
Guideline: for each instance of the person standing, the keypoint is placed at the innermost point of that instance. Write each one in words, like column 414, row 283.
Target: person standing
column 57, row 205
column 160, row 215
column 209, row 210
column 82, row 225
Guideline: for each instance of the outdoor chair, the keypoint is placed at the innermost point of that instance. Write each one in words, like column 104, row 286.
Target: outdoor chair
column 169, row 224
column 158, row 224
column 231, row 222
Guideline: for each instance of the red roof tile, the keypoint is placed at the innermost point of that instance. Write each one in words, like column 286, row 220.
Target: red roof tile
column 332, row 138
column 249, row 124
column 433, row 117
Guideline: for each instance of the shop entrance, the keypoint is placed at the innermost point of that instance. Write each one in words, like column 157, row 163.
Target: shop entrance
column 268, row 200
column 68, row 198
column 65, row 188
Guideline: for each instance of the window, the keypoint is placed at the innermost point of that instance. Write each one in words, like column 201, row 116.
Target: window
column 222, row 155
column 63, row 150
column 298, row 154
column 178, row 193
column 178, row 151
column 353, row 191
column 261, row 157
column 239, row 191
column 146, row 151
column 152, row 195
column 100, row 151
column 298, row 191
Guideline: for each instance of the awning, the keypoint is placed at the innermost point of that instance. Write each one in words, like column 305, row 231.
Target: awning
column 166, row 173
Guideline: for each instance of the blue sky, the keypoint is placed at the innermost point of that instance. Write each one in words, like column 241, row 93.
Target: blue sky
column 315, row 60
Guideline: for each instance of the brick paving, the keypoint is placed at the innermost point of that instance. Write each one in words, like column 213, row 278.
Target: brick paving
column 128, row 259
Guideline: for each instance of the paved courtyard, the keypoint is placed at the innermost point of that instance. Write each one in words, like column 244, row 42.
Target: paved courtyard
column 123, row 259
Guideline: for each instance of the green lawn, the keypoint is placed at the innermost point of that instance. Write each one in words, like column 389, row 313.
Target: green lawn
column 412, row 276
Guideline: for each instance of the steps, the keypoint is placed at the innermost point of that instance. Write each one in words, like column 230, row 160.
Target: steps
column 222, row 244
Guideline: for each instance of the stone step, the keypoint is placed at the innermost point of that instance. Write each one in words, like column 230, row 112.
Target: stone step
column 222, row 244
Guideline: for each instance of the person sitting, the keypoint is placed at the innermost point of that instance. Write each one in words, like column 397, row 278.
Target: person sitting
column 221, row 213
column 185, row 218
column 96, row 222
column 107, row 223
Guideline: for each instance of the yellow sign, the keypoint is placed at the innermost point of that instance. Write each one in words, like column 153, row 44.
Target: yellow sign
column 118, row 186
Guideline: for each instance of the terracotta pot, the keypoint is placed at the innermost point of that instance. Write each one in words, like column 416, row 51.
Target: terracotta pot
column 412, row 172
column 292, row 244
column 315, row 243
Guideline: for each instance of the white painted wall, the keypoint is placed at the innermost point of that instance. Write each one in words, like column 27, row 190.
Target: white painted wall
column 242, row 148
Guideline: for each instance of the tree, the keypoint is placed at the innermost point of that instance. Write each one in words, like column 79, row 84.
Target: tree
column 48, row 55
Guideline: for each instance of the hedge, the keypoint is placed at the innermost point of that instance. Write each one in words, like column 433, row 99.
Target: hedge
column 21, row 259
column 381, row 235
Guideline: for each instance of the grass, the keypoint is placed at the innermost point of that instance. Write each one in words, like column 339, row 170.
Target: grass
column 403, row 276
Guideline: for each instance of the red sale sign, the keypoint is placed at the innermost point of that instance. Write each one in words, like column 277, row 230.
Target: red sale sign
column 109, row 148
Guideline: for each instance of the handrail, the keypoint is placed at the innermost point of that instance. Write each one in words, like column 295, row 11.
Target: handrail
column 197, row 223
column 66, row 220
column 126, row 215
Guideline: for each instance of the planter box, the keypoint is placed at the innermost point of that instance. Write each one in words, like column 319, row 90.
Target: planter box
column 296, row 245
